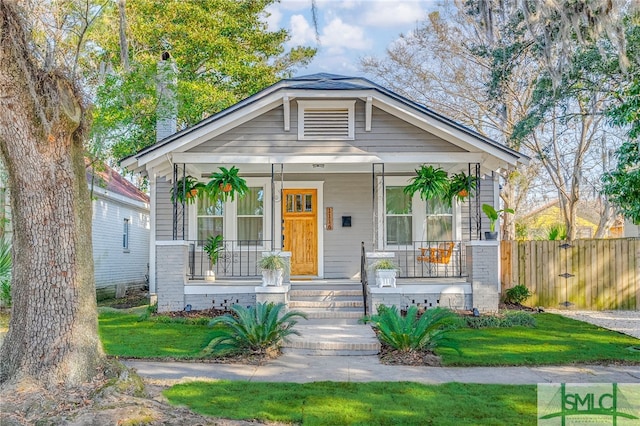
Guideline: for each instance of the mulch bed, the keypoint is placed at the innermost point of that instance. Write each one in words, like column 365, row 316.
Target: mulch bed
column 204, row 313
column 389, row 356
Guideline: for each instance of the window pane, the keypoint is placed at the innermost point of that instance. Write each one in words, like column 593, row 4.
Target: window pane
column 298, row 202
column 252, row 203
column 208, row 207
column 397, row 201
column 250, row 228
column 290, row 203
column 308, row 203
column 438, row 206
column 209, row 226
column 399, row 230
column 439, row 228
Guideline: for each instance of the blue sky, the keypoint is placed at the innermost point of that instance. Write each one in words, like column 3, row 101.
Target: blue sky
column 349, row 29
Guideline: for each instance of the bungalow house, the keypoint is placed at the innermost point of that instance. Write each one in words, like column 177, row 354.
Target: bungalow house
column 326, row 158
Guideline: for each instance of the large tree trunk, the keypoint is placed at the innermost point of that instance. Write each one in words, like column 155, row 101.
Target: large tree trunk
column 52, row 336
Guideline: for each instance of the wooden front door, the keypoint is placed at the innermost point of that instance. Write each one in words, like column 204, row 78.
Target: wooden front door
column 300, row 230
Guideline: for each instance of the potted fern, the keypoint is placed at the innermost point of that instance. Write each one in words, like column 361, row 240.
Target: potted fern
column 273, row 267
column 493, row 215
column 212, row 247
column 227, row 184
column 187, row 189
column 461, row 185
column 430, row 182
column 386, row 271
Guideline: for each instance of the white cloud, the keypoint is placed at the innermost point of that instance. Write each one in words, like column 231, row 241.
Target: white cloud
column 390, row 14
column 274, row 17
column 338, row 36
column 302, row 34
column 294, row 5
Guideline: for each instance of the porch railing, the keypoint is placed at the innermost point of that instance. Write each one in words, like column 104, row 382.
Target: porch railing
column 431, row 259
column 236, row 258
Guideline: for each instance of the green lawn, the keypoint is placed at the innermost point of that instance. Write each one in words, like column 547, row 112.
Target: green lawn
column 125, row 335
column 555, row 340
column 373, row 403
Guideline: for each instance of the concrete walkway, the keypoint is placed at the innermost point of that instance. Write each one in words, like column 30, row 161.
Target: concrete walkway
column 300, row 368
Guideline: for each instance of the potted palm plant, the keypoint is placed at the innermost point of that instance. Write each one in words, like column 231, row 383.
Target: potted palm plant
column 430, row 182
column 212, row 247
column 461, row 185
column 187, row 190
column 386, row 271
column 273, row 267
column 227, row 184
column 493, row 215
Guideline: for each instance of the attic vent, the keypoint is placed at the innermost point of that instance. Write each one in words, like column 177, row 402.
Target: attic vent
column 326, row 119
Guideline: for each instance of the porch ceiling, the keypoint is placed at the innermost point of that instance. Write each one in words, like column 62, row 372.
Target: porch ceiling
column 318, row 166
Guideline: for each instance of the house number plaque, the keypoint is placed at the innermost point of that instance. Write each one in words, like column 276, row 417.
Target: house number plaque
column 329, row 218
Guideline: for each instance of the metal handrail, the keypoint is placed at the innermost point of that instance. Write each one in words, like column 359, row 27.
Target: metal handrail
column 363, row 277
column 237, row 258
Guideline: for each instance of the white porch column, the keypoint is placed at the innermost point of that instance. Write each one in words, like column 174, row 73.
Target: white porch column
column 152, row 235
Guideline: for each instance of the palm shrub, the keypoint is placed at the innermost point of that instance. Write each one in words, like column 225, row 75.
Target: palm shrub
column 255, row 329
column 412, row 332
column 5, row 272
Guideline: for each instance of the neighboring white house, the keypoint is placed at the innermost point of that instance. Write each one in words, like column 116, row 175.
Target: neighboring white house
column 121, row 229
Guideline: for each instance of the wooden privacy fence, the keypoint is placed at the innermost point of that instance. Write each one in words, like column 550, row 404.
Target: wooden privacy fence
column 583, row 274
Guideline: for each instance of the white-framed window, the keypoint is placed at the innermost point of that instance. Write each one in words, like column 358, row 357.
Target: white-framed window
column 209, row 218
column 326, row 120
column 125, row 235
column 439, row 221
column 406, row 219
column 398, row 216
column 244, row 219
column 250, row 217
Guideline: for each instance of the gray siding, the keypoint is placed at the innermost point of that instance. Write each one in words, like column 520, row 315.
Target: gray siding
column 265, row 135
column 349, row 195
column 164, row 217
column 469, row 209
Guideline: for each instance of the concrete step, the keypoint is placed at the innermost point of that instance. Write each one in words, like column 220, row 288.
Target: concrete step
column 330, row 338
column 336, row 304
column 328, row 313
column 294, row 294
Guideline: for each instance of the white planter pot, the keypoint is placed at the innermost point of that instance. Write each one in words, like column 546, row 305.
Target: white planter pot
column 272, row 277
column 386, row 277
column 210, row 276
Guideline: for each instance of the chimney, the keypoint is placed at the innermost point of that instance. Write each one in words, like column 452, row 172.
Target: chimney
column 167, row 109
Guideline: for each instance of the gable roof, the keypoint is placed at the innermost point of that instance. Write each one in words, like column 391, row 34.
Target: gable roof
column 337, row 85
column 112, row 181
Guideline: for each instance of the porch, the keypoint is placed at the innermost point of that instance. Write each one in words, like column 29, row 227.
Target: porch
column 238, row 259
column 479, row 288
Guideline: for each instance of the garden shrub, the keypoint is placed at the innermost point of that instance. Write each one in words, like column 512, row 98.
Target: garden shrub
column 255, row 329
column 412, row 332
column 508, row 319
column 517, row 294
